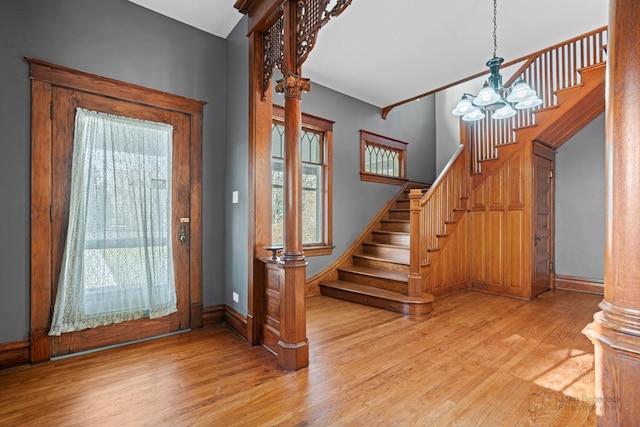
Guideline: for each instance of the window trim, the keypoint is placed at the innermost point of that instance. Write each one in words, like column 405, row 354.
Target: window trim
column 325, row 126
column 370, row 138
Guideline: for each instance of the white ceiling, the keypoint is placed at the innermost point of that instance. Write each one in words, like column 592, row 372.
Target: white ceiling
column 382, row 54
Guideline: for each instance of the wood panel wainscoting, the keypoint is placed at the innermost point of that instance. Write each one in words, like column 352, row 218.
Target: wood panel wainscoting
column 478, row 359
column 498, row 227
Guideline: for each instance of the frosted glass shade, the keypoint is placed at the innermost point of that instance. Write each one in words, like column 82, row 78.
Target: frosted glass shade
column 463, row 107
column 528, row 103
column 486, row 96
column 504, row 112
column 521, row 91
column 473, row 116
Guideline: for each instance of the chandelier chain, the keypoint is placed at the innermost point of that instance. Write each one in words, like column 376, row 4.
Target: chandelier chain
column 495, row 27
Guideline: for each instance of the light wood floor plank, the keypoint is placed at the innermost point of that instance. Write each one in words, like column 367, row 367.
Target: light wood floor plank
column 477, row 360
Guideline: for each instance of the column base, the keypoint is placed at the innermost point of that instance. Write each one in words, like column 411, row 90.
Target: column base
column 293, row 356
column 617, row 371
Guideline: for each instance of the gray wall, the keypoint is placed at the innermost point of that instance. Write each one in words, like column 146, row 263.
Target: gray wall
column 115, row 39
column 580, row 203
column 237, row 177
column 355, row 202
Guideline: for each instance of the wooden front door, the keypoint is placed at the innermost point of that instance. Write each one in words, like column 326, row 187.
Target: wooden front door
column 65, row 103
column 543, row 221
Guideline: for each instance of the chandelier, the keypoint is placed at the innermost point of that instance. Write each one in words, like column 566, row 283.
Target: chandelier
column 493, row 96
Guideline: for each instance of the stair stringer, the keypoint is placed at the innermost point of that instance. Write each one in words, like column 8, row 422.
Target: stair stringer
column 439, row 231
column 576, row 107
column 374, row 271
column 346, row 259
column 447, row 269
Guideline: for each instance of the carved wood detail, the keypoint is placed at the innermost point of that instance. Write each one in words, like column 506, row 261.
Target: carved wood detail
column 272, row 52
column 311, row 16
column 292, row 86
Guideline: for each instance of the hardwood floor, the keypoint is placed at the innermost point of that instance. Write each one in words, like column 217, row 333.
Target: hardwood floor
column 477, row 359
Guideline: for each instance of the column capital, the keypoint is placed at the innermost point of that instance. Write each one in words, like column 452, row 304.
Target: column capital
column 293, row 85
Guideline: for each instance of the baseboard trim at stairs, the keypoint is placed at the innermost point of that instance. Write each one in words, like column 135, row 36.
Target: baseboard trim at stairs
column 380, row 298
column 579, row 284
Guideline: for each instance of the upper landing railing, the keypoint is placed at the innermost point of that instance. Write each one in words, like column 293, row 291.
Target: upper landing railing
column 546, row 71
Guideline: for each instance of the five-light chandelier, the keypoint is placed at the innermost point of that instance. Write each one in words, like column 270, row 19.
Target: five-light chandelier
column 493, row 96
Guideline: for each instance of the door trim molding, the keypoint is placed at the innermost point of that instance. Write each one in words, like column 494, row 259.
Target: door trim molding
column 44, row 77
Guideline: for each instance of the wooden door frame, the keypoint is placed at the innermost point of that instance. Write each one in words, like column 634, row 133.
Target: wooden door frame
column 44, row 77
column 549, row 153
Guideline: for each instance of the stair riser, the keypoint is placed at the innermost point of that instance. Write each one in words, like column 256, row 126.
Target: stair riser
column 394, row 239
column 396, row 226
column 377, row 302
column 399, row 254
column 376, row 282
column 399, row 215
column 403, row 204
column 387, row 266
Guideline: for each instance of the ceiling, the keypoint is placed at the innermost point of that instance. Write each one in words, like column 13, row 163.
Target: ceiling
column 382, row 54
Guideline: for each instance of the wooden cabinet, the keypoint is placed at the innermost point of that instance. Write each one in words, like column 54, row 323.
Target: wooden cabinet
column 274, row 278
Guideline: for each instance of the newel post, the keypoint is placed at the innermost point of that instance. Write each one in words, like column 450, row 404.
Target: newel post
column 416, row 286
column 615, row 331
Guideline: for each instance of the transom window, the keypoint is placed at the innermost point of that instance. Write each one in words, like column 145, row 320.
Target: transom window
column 315, row 156
column 382, row 159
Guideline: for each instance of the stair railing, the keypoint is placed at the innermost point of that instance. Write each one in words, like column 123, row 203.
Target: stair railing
column 546, row 71
column 431, row 212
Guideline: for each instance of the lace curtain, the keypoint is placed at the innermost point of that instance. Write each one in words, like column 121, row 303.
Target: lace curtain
column 117, row 263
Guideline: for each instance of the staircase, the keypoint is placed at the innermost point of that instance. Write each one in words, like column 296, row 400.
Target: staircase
column 378, row 271
column 426, row 243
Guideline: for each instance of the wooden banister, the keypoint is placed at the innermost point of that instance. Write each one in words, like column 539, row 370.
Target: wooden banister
column 597, row 33
column 431, row 212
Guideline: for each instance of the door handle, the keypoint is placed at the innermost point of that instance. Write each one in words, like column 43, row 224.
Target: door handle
column 182, row 231
column 538, row 238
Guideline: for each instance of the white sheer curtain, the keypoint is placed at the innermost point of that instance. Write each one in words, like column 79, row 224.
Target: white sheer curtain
column 117, row 263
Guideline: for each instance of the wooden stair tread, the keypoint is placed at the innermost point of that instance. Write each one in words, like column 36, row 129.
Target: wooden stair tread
column 386, row 245
column 391, row 232
column 379, row 258
column 377, row 292
column 375, row 272
column 404, row 221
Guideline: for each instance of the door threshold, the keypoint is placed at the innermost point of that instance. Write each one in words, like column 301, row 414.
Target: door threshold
column 93, row 350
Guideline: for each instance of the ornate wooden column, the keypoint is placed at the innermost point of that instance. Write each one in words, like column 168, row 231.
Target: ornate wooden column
column 615, row 331
column 293, row 352
column 288, row 30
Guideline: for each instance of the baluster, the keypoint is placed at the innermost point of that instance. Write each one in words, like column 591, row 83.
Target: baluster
column 575, row 65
